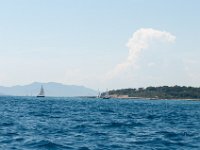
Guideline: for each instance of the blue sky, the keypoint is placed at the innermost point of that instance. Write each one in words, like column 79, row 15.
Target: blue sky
column 80, row 42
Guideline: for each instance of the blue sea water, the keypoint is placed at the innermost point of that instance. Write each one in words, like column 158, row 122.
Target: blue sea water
column 29, row 123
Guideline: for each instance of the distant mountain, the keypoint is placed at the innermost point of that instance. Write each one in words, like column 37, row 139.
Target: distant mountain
column 51, row 89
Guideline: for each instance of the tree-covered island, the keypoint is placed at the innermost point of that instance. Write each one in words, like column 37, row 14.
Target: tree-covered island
column 163, row 92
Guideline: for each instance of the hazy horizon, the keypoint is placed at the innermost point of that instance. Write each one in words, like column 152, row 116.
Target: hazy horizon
column 100, row 44
column 101, row 90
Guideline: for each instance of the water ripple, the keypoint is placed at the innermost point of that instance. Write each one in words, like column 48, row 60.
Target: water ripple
column 93, row 124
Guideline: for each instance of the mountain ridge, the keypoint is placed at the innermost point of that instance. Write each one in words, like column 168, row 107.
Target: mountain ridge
column 51, row 89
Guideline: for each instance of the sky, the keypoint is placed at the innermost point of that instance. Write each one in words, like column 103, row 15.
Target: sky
column 100, row 44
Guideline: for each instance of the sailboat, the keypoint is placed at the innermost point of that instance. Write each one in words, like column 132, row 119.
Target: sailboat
column 41, row 94
column 99, row 94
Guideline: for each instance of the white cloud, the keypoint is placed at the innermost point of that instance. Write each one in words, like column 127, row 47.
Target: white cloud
column 141, row 39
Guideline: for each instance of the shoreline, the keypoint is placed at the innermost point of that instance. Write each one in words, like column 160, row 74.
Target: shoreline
column 186, row 99
column 148, row 98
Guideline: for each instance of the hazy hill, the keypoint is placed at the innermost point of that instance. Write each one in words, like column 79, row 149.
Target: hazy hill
column 51, row 89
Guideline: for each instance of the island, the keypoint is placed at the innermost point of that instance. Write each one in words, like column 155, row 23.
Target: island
column 162, row 92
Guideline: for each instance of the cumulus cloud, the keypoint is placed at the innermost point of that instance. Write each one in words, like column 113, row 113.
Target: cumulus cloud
column 141, row 39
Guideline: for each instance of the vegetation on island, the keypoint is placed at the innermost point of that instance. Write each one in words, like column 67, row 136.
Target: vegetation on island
column 163, row 92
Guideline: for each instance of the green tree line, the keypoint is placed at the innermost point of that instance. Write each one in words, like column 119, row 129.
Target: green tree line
column 162, row 92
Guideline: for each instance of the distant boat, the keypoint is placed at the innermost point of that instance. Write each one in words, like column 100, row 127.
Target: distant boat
column 41, row 94
column 99, row 94
column 106, row 96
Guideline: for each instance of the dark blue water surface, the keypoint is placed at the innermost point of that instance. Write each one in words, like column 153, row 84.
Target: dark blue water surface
column 96, row 124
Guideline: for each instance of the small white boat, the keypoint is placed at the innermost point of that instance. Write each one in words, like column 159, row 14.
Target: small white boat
column 106, row 96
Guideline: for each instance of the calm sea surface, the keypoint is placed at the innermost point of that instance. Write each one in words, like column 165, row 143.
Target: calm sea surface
column 95, row 124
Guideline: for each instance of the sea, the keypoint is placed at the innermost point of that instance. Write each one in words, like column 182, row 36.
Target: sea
column 30, row 123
